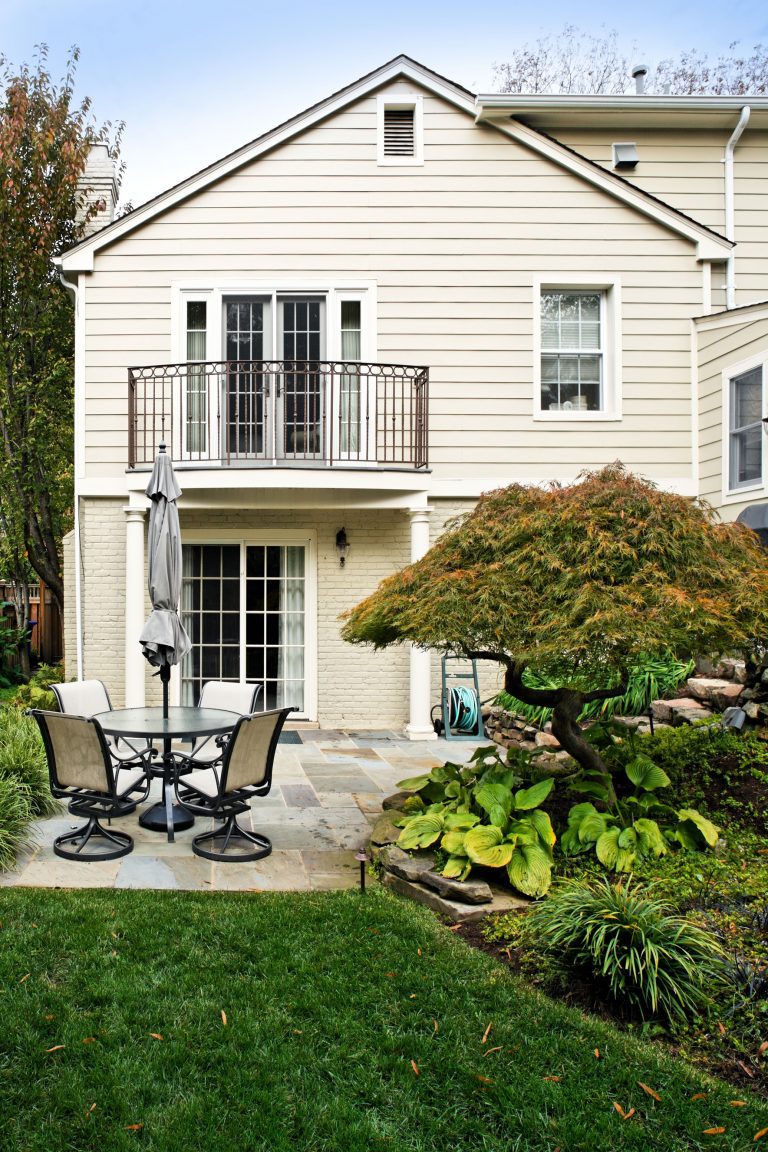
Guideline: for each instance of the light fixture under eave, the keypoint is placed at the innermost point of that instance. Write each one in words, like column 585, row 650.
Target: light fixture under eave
column 342, row 546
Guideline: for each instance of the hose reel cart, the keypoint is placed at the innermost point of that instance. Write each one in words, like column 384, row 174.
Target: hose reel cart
column 462, row 717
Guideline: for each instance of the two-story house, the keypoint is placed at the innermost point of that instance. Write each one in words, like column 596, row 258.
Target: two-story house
column 354, row 325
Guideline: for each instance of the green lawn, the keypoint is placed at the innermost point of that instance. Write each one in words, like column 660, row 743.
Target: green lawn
column 310, row 1022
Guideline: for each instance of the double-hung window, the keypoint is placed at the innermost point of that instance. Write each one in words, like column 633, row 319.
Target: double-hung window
column 577, row 351
column 745, row 429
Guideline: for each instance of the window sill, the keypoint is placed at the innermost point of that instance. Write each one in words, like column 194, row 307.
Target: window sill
column 574, row 415
column 733, row 495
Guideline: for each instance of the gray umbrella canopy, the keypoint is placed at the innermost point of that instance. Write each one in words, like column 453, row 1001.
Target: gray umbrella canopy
column 164, row 641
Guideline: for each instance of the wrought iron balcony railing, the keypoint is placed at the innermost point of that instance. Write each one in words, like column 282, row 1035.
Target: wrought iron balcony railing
column 291, row 413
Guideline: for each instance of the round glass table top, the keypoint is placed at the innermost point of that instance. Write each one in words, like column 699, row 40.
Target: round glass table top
column 180, row 722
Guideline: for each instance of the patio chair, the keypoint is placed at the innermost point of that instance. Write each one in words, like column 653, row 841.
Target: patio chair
column 245, row 772
column 231, row 697
column 81, row 769
column 90, row 697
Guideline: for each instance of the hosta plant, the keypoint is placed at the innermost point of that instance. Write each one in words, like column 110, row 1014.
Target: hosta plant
column 637, row 824
column 478, row 814
column 656, row 962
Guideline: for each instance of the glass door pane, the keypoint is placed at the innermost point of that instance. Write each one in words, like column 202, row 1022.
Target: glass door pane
column 275, row 579
column 245, row 401
column 210, row 611
column 300, row 410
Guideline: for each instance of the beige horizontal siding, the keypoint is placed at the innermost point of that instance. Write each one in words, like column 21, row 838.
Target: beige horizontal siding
column 453, row 247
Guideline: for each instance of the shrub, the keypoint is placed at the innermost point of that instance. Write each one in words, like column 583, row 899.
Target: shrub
column 647, row 680
column 37, row 692
column 480, row 815
column 656, row 962
column 22, row 758
column 14, row 818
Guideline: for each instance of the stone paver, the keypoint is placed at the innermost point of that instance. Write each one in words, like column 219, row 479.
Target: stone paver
column 326, row 794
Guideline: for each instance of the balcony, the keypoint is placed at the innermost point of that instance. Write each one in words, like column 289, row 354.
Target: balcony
column 289, row 414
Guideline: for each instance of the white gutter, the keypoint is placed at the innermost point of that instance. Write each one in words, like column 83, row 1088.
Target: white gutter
column 72, row 289
column 730, row 227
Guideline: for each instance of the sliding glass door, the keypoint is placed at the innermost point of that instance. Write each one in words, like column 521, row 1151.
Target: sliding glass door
column 245, row 609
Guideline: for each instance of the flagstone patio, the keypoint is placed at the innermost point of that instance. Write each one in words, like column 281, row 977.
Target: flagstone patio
column 326, row 793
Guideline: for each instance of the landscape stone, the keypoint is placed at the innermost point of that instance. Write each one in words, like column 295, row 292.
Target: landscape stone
column 720, row 693
column 466, row 891
column 408, row 868
column 547, row 740
column 752, row 709
column 688, row 711
column 452, row 909
column 384, row 830
column 671, row 711
column 396, row 800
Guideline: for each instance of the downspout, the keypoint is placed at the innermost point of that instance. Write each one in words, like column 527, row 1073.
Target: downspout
column 72, row 290
column 730, row 148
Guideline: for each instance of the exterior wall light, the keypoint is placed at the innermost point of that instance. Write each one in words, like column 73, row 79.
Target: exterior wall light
column 342, row 546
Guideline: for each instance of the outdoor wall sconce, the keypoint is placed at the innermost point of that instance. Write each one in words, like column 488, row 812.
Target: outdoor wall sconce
column 342, row 546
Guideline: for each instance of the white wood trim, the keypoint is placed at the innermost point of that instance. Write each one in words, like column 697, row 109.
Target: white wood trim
column 404, row 101
column 695, row 449
column 759, row 488
column 747, row 315
column 305, row 537
column 81, row 257
column 709, row 246
column 610, row 288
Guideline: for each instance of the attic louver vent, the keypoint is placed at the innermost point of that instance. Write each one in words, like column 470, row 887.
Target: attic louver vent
column 399, row 134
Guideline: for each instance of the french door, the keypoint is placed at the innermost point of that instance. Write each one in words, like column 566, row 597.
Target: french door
column 245, row 609
column 274, row 414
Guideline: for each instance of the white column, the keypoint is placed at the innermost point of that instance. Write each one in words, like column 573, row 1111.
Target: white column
column 419, row 726
column 134, row 607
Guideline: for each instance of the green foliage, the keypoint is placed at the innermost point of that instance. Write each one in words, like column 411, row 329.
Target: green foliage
column 479, row 815
column 15, row 814
column 652, row 960
column 633, row 824
column 647, row 680
column 45, row 139
column 37, row 692
column 22, row 758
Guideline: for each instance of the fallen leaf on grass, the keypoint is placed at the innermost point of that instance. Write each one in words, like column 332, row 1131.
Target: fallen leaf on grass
column 49, row 1017
column 553, row 1079
column 763, row 1048
column 390, row 974
column 418, row 951
column 738, row 1103
column 624, row 1115
column 437, row 1026
column 714, row 1131
column 484, row 1079
column 412, row 996
column 759, row 1135
column 91, row 1109
column 133, row 1127
column 487, row 1032
column 26, row 976
column 489, row 1050
column 415, row 1067
column 455, row 928
column 56, row 1048
column 649, row 1091
column 156, row 1035
column 89, row 1040
column 699, row 1096
column 297, row 1031
column 597, row 1054
column 223, row 1017
column 721, row 1028
column 744, row 1068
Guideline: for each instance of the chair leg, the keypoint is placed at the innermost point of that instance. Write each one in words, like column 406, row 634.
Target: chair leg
column 87, row 837
column 231, row 833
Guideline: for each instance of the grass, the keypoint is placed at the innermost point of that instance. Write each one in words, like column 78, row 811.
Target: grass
column 316, row 1023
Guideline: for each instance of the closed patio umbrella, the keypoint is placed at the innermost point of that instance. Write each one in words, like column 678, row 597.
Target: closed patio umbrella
column 164, row 641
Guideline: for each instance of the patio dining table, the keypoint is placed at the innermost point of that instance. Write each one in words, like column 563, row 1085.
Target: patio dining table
column 180, row 723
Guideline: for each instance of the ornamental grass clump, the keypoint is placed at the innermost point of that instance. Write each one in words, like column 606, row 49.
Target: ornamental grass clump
column 24, row 791
column 653, row 961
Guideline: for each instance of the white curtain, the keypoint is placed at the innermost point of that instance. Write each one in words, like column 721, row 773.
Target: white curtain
column 197, row 384
column 349, row 407
column 290, row 666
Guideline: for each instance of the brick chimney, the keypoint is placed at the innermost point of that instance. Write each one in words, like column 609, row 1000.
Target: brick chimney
column 98, row 185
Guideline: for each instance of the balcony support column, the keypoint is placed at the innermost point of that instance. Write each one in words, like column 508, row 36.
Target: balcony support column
column 134, row 607
column 419, row 726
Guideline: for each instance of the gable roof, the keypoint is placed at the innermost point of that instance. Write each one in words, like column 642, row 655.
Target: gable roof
column 709, row 244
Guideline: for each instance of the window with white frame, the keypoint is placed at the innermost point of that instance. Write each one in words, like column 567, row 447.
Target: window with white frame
column 577, row 350
column 400, row 130
column 745, row 429
column 572, row 351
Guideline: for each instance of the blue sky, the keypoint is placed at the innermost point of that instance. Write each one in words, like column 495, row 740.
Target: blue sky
column 194, row 80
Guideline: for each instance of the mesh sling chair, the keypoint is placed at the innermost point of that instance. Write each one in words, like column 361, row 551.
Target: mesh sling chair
column 245, row 772
column 81, row 770
column 231, row 697
column 88, row 698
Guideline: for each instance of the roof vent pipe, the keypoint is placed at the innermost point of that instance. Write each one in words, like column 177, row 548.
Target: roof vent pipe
column 730, row 222
column 639, row 73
